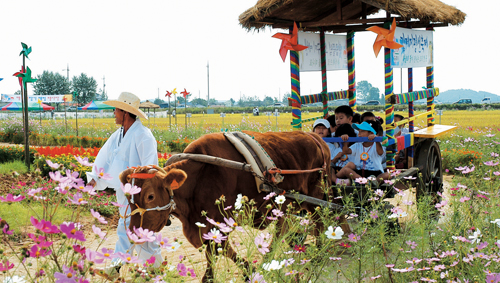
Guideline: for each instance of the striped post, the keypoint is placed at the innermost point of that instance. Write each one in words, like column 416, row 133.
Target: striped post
column 351, row 67
column 295, row 97
column 411, row 113
column 323, row 73
column 389, row 108
column 430, row 84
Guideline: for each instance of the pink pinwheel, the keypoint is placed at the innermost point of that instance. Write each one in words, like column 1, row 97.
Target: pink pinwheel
column 44, row 226
column 6, row 265
column 128, row 258
column 52, row 165
column 163, row 242
column 84, row 161
column 70, row 231
column 215, row 236
column 102, row 175
column 10, row 198
column 92, row 256
column 128, row 189
column 35, row 252
column 99, row 232
column 98, row 216
column 77, row 199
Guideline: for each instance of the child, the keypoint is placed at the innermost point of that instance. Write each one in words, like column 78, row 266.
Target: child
column 343, row 115
column 322, row 128
column 333, row 125
column 400, row 130
column 367, row 156
column 339, row 158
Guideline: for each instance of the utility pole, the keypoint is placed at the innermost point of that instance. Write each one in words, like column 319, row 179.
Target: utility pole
column 158, row 94
column 67, row 77
column 103, row 85
column 208, row 85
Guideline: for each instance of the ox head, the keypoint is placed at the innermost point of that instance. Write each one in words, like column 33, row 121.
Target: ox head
column 155, row 192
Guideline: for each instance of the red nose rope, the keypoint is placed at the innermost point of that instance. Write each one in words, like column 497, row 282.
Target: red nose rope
column 273, row 171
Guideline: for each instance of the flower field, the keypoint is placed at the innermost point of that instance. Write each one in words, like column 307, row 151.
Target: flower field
column 452, row 239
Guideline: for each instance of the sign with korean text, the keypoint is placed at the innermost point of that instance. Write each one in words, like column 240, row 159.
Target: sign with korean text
column 36, row 98
column 417, row 50
column 335, row 48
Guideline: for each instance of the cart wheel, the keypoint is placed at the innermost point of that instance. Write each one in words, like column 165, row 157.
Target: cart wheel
column 429, row 160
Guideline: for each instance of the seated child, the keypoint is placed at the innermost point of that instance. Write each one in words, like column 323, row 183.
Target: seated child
column 343, row 115
column 367, row 156
column 356, row 118
column 333, row 125
column 322, row 128
column 400, row 130
column 339, row 158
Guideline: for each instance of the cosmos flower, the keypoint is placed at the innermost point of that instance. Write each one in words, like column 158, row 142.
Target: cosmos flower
column 334, row 234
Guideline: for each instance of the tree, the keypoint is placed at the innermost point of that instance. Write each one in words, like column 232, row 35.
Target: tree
column 373, row 94
column 285, row 98
column 268, row 101
column 158, row 101
column 363, row 89
column 199, row 101
column 49, row 83
column 85, row 87
column 18, row 92
column 180, row 100
column 101, row 96
column 212, row 101
column 232, row 102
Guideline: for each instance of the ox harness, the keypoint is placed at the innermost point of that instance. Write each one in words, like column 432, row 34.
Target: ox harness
column 171, row 205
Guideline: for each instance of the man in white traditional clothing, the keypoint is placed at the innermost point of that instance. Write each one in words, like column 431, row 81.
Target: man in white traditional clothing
column 131, row 145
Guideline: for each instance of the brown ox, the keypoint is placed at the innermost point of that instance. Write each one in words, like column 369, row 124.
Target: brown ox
column 205, row 183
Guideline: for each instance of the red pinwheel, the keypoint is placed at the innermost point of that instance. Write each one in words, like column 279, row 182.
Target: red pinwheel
column 20, row 78
column 384, row 38
column 185, row 93
column 168, row 94
column 289, row 42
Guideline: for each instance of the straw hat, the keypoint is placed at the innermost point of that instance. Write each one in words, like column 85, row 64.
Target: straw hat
column 128, row 102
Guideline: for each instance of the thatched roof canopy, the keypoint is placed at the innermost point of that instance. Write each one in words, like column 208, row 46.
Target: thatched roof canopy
column 344, row 15
column 148, row 105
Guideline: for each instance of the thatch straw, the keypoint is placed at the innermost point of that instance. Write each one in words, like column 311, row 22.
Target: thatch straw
column 269, row 12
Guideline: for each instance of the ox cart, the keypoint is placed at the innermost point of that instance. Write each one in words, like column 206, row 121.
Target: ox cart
column 335, row 51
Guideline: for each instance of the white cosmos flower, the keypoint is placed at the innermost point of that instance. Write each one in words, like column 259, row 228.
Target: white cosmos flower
column 200, row 224
column 238, row 204
column 274, row 265
column 280, row 199
column 334, row 234
column 398, row 214
column 175, row 246
column 14, row 279
column 476, row 236
column 496, row 221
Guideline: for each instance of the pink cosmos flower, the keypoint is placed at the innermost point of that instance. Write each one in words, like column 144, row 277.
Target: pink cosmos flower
column 361, row 180
column 489, row 136
column 145, row 234
column 5, row 265
column 163, row 242
column 57, row 177
column 375, row 277
column 98, row 216
column 412, row 244
column 128, row 258
column 269, row 196
column 92, row 256
column 374, row 214
column 427, row 279
column 215, row 236
column 64, row 186
column 257, row 278
column 102, row 175
column 335, row 258
column 379, row 192
column 353, row 238
column 84, row 161
column 231, row 223
column 491, row 163
column 52, row 165
column 483, row 196
column 40, row 241
column 79, row 249
column 68, row 275
column 44, row 226
column 106, row 254
column 222, row 226
column 73, row 176
column 117, row 204
column 35, row 252
column 99, row 232
column 278, row 213
column 128, row 190
column 77, row 199
column 262, row 245
column 464, row 199
column 10, row 198
column 90, row 190
column 390, row 182
column 493, row 277
column 70, row 231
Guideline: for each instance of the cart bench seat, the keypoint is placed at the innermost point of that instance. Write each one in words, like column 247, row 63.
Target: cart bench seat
column 433, row 131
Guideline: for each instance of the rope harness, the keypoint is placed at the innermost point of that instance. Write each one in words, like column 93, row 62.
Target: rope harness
column 171, row 205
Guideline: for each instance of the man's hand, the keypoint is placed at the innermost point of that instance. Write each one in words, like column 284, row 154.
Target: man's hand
column 92, row 183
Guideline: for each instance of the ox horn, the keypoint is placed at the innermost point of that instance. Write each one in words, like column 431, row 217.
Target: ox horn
column 160, row 169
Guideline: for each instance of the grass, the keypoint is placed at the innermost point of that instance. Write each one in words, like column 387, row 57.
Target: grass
column 9, row 167
column 18, row 214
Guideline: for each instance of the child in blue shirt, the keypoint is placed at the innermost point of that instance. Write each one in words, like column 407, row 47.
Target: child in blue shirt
column 339, row 158
column 367, row 156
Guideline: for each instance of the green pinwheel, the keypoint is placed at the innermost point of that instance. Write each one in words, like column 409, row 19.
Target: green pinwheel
column 26, row 50
column 26, row 76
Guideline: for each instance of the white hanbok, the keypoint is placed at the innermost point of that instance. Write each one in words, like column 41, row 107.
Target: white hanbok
column 137, row 148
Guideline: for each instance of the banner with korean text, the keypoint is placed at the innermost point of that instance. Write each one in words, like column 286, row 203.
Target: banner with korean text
column 35, row 98
column 310, row 58
column 417, row 50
